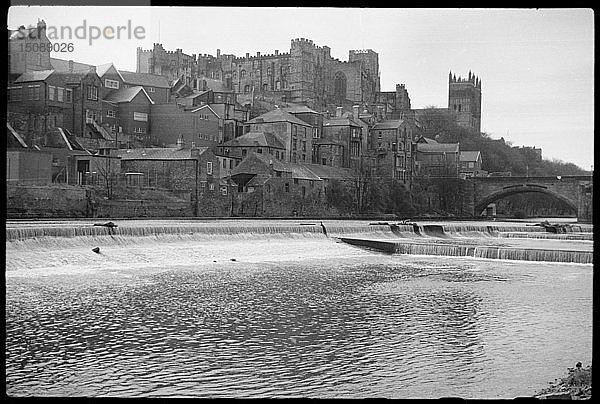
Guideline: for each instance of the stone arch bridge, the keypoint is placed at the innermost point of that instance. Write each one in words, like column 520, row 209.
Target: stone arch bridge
column 574, row 190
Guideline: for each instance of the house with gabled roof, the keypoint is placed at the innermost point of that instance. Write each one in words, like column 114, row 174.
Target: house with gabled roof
column 253, row 142
column 199, row 125
column 437, row 159
column 391, row 144
column 295, row 134
column 156, row 86
column 129, row 108
column 470, row 163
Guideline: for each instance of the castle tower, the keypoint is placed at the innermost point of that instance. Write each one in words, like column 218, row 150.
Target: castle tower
column 370, row 60
column 302, row 70
column 464, row 100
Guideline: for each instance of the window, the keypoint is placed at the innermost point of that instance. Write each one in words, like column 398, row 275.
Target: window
column 111, row 83
column 230, row 164
column 209, row 167
column 246, row 89
column 224, row 163
column 243, row 74
column 211, row 186
column 223, row 190
column 269, row 71
column 60, row 93
column 287, row 187
column 278, row 85
column 295, row 181
column 315, row 133
column 324, row 161
column 34, row 92
column 111, row 113
column 303, row 191
column 92, row 93
column 244, row 152
column 259, row 150
column 150, row 89
column 68, row 95
column 278, row 173
column 471, row 164
column 459, row 107
column 51, row 92
column 265, row 87
column 140, row 116
column 304, row 145
column 14, row 93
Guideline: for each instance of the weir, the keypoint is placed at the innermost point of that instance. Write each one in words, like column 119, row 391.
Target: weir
column 447, row 239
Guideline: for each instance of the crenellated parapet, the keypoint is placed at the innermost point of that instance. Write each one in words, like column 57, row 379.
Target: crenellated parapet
column 470, row 79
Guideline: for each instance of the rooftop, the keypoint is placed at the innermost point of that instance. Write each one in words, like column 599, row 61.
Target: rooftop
column 277, row 115
column 255, row 139
column 438, row 147
column 168, row 153
column 126, row 94
column 144, row 79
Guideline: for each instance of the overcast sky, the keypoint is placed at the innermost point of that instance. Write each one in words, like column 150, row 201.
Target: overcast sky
column 536, row 66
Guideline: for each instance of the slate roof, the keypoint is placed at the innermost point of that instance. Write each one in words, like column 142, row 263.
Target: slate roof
column 256, row 139
column 144, row 79
column 343, row 121
column 298, row 109
column 437, row 147
column 391, row 124
column 469, row 155
column 298, row 171
column 277, row 115
column 168, row 153
column 102, row 69
column 37, row 75
column 126, row 94
column 312, row 172
column 62, row 66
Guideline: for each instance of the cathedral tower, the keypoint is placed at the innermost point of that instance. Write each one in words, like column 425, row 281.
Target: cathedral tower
column 464, row 100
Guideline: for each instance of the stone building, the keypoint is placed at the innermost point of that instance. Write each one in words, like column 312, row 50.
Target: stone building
column 295, row 134
column 28, row 49
column 464, row 100
column 172, row 65
column 435, row 159
column 253, row 142
column 198, row 125
column 391, row 144
column 470, row 163
column 306, row 74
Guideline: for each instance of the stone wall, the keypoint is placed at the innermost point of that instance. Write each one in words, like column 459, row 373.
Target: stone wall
column 47, row 201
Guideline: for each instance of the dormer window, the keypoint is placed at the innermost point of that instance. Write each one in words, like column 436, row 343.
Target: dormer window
column 111, row 84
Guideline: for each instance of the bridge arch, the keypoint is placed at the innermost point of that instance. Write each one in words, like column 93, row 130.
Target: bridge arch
column 483, row 202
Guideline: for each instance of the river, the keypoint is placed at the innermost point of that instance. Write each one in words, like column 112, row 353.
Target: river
column 270, row 312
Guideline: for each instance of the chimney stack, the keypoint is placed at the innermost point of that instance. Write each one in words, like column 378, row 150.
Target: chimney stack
column 356, row 111
column 70, row 66
column 218, row 52
column 338, row 112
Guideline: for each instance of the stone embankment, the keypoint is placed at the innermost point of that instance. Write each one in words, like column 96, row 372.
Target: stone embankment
column 576, row 386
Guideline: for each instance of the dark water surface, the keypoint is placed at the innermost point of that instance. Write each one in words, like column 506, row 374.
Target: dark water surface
column 363, row 326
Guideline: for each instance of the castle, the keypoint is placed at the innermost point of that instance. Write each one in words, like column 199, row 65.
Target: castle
column 307, row 74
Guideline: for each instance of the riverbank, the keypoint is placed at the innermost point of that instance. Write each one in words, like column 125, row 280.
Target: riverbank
column 576, row 386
